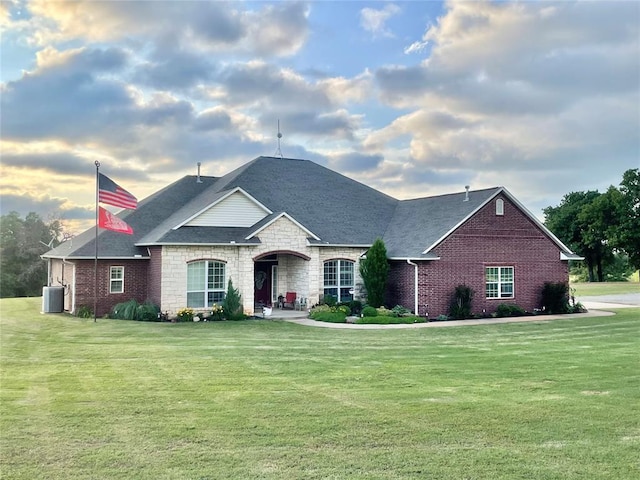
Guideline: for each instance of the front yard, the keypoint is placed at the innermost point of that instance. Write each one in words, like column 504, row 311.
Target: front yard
column 271, row 400
column 604, row 288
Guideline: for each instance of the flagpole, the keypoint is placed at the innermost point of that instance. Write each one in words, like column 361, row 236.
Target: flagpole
column 95, row 262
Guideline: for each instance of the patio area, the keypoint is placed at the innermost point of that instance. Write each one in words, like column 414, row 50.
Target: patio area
column 281, row 313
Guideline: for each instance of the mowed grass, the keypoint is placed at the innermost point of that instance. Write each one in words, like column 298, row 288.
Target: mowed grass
column 605, row 288
column 274, row 400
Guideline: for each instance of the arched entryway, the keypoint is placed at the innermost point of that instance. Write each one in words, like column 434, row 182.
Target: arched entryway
column 277, row 272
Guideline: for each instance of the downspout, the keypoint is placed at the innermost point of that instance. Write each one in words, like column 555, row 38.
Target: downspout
column 415, row 286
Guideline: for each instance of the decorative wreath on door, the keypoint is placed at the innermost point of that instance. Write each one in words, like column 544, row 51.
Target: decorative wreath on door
column 260, row 278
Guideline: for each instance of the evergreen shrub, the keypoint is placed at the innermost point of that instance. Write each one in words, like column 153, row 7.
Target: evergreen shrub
column 555, row 297
column 232, row 303
column 461, row 304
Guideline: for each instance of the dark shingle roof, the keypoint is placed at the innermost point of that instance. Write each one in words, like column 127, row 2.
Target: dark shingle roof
column 150, row 212
column 417, row 224
column 337, row 209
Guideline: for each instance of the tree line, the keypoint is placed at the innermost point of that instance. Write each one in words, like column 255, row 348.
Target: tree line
column 22, row 272
column 604, row 228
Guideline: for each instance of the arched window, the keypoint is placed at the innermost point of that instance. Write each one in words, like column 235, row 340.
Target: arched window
column 339, row 279
column 499, row 207
column 206, row 282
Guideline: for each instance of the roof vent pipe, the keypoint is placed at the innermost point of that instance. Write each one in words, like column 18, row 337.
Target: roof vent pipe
column 466, row 195
column 199, row 180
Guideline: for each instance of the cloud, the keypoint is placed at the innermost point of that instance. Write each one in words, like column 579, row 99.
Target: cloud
column 343, row 91
column 64, row 96
column 260, row 83
column 206, row 26
column 374, row 21
column 174, row 69
column 511, row 87
column 280, row 29
column 338, row 124
column 58, row 162
column 355, row 162
column 212, row 119
column 45, row 206
column 534, row 58
column 63, row 163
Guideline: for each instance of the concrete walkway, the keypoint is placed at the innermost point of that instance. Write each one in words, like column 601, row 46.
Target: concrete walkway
column 597, row 306
column 453, row 323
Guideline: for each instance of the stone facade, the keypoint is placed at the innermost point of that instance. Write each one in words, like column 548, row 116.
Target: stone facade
column 300, row 265
column 486, row 239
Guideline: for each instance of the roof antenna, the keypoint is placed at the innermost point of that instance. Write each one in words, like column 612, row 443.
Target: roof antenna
column 278, row 151
column 199, row 180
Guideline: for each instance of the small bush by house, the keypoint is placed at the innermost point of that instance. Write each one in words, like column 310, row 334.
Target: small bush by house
column 509, row 310
column 326, row 313
column 555, row 297
column 461, row 304
column 132, row 310
column 369, row 312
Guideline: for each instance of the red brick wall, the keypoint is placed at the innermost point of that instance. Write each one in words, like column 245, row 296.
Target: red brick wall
column 511, row 240
column 135, row 283
column 155, row 276
column 400, row 286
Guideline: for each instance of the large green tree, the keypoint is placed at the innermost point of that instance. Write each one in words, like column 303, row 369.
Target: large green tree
column 22, row 272
column 374, row 270
column 572, row 224
column 602, row 227
column 625, row 235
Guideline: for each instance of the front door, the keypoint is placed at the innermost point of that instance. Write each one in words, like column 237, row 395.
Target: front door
column 262, row 282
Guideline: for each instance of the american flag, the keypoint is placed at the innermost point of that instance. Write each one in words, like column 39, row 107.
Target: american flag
column 111, row 193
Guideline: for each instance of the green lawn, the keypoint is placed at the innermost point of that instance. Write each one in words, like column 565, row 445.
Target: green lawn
column 272, row 400
column 605, row 288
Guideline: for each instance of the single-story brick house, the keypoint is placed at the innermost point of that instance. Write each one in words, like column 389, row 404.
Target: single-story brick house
column 279, row 225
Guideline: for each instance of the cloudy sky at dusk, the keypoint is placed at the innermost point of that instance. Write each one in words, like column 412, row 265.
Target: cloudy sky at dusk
column 412, row 98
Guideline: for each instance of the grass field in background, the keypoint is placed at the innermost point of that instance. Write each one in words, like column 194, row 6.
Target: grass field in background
column 605, row 288
column 274, row 400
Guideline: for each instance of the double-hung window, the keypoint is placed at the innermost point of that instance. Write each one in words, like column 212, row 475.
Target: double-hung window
column 205, row 283
column 339, row 279
column 116, row 280
column 499, row 282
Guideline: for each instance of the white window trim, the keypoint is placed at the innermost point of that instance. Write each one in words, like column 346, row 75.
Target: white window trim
column 206, row 290
column 338, row 286
column 113, row 280
column 274, row 283
column 500, row 282
column 500, row 207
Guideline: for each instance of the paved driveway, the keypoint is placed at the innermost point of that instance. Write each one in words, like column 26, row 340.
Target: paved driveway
column 606, row 302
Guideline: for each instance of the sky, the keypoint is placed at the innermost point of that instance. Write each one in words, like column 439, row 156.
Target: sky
column 412, row 98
